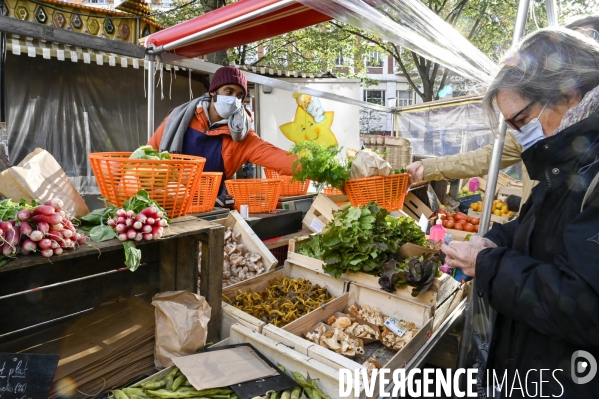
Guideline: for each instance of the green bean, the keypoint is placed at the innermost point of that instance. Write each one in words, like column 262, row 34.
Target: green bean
column 135, row 392
column 286, row 394
column 273, row 395
column 163, row 393
column 154, row 385
column 295, row 393
column 178, row 381
column 118, row 394
column 308, row 392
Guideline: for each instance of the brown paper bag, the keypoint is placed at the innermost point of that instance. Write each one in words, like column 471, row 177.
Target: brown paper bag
column 39, row 177
column 368, row 164
column 181, row 325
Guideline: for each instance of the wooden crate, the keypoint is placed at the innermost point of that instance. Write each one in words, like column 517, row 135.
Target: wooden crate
column 494, row 218
column 292, row 334
column 445, row 354
column 293, row 361
column 414, row 207
column 459, row 235
column 320, row 213
column 335, row 287
column 250, row 240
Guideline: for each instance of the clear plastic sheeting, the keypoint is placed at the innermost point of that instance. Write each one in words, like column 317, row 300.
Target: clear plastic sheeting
column 445, row 130
column 46, row 103
column 418, row 29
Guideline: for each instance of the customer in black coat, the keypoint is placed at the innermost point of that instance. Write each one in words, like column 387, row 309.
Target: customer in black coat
column 541, row 272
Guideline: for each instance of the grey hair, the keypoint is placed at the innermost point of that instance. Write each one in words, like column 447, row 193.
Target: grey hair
column 543, row 66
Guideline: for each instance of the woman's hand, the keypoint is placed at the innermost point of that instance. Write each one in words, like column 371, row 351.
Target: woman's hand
column 463, row 254
column 416, row 171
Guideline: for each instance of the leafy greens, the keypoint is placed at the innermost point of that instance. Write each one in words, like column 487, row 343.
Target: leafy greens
column 319, row 164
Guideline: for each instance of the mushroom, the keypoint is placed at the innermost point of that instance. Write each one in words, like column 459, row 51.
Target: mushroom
column 342, row 322
column 332, row 343
column 255, row 257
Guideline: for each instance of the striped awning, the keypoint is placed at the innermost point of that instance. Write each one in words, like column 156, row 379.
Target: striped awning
column 19, row 45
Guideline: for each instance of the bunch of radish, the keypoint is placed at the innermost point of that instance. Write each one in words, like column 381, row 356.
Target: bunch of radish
column 147, row 225
column 46, row 228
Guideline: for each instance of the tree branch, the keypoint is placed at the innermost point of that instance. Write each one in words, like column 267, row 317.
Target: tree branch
column 405, row 72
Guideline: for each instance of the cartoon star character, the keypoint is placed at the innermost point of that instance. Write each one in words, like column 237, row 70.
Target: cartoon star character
column 304, row 128
column 311, row 105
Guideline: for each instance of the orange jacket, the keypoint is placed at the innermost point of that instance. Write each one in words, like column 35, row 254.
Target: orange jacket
column 252, row 148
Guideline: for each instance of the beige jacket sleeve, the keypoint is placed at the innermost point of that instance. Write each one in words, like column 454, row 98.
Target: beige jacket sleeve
column 473, row 163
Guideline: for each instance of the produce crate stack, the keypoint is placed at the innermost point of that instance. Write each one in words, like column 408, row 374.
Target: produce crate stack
column 399, row 151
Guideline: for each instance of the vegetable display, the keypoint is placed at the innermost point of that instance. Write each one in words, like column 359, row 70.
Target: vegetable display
column 319, row 164
column 418, row 272
column 283, row 301
column 139, row 219
column 148, row 152
column 459, row 221
column 27, row 228
column 361, row 239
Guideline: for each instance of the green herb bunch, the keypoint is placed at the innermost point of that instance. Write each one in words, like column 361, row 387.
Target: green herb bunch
column 361, row 240
column 319, row 164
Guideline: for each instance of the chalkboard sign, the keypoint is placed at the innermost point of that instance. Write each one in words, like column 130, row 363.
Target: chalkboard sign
column 26, row 376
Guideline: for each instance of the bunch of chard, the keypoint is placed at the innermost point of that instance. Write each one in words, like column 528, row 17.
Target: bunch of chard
column 147, row 225
column 45, row 229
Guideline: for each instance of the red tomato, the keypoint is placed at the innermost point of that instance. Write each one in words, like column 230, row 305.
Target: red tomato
column 475, row 221
column 442, row 216
column 476, row 228
column 450, row 224
column 462, row 222
column 444, row 224
column 459, row 227
column 461, row 216
column 442, row 212
column 469, row 227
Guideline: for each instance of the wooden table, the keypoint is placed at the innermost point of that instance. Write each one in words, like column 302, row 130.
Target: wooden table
column 35, row 291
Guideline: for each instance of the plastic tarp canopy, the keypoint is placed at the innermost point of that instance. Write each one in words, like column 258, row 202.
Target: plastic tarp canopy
column 445, row 130
column 292, row 17
column 46, row 101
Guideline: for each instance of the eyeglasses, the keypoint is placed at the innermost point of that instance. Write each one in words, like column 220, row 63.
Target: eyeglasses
column 512, row 121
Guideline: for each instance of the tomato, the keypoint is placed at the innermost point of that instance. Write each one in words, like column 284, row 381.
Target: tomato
column 475, row 221
column 442, row 216
column 462, row 222
column 459, row 227
column 444, row 224
column 476, row 228
column 442, row 212
column 469, row 227
column 460, row 216
column 450, row 224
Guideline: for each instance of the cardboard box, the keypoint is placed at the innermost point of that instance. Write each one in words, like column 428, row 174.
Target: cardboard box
column 459, row 235
column 320, row 213
column 292, row 334
column 414, row 207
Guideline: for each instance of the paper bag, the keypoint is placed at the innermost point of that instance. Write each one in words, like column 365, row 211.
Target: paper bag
column 39, row 177
column 181, row 325
column 368, row 164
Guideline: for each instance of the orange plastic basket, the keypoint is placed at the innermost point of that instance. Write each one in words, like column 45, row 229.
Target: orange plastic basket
column 261, row 195
column 387, row 191
column 206, row 193
column 330, row 190
column 287, row 186
column 171, row 183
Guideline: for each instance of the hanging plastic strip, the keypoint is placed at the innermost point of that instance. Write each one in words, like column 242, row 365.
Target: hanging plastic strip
column 410, row 24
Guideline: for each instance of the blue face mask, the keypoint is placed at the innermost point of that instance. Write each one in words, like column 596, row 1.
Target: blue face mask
column 530, row 133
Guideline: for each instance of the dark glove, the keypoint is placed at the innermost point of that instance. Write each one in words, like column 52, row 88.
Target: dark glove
column 513, row 203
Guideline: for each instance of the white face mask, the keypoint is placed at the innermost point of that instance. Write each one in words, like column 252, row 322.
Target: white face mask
column 226, row 106
column 531, row 133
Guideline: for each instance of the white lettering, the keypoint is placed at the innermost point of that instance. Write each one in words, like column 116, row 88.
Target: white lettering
column 534, row 383
column 427, row 381
column 560, row 384
column 345, row 383
column 517, row 378
column 369, row 383
column 456, row 384
column 383, row 381
column 471, row 383
column 443, row 382
column 399, row 382
column 541, row 381
column 412, row 383
column 497, row 383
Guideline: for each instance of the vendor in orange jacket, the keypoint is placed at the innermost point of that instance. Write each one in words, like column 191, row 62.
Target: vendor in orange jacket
column 218, row 127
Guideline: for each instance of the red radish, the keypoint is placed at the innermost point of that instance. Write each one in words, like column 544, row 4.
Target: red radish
column 67, row 233
column 36, row 235
column 111, row 222
column 55, row 245
column 48, row 252
column 57, row 227
column 121, row 220
column 137, row 225
column 68, row 243
column 45, row 243
column 121, row 213
column 44, row 210
column 55, row 203
column 130, row 214
column 24, row 214
column 5, row 226
column 157, row 232
column 7, row 249
column 146, row 228
column 129, row 222
column 122, row 237
column 43, row 227
column 81, row 240
column 150, row 221
column 58, row 251
column 150, row 211
column 121, row 228
column 139, row 236
column 163, row 223
column 148, row 237
column 29, row 245
column 131, row 234
column 25, row 252
column 50, row 219
column 26, row 229
column 141, row 218
column 17, row 237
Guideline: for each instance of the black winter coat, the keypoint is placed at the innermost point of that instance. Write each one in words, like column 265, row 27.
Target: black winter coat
column 543, row 279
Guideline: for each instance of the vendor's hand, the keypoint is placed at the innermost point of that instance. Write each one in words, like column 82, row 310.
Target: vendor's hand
column 463, row 254
column 416, row 171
